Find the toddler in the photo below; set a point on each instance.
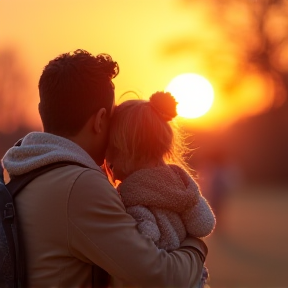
(144, 153)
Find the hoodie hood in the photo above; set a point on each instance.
(168, 192)
(166, 187)
(39, 149)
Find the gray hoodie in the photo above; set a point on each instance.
(39, 149)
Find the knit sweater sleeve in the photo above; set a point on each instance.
(199, 220)
(147, 224)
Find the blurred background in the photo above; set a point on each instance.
(239, 147)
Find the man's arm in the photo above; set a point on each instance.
(101, 232)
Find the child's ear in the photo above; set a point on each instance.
(99, 119)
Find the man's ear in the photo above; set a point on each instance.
(98, 120)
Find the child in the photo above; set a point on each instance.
(155, 187)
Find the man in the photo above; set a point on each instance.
(71, 217)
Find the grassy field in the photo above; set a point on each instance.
(249, 247)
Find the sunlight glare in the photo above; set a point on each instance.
(194, 94)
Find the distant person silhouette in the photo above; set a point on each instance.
(219, 178)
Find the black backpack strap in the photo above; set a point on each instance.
(8, 266)
(1, 173)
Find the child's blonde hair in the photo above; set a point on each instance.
(142, 133)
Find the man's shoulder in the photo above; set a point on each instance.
(82, 174)
(80, 168)
(91, 188)
(69, 176)
(87, 179)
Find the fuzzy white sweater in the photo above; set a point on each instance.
(167, 204)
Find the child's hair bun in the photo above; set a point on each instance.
(164, 104)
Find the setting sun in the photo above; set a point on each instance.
(194, 94)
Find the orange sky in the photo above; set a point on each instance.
(133, 32)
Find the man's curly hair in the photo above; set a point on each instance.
(72, 87)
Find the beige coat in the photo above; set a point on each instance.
(72, 217)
